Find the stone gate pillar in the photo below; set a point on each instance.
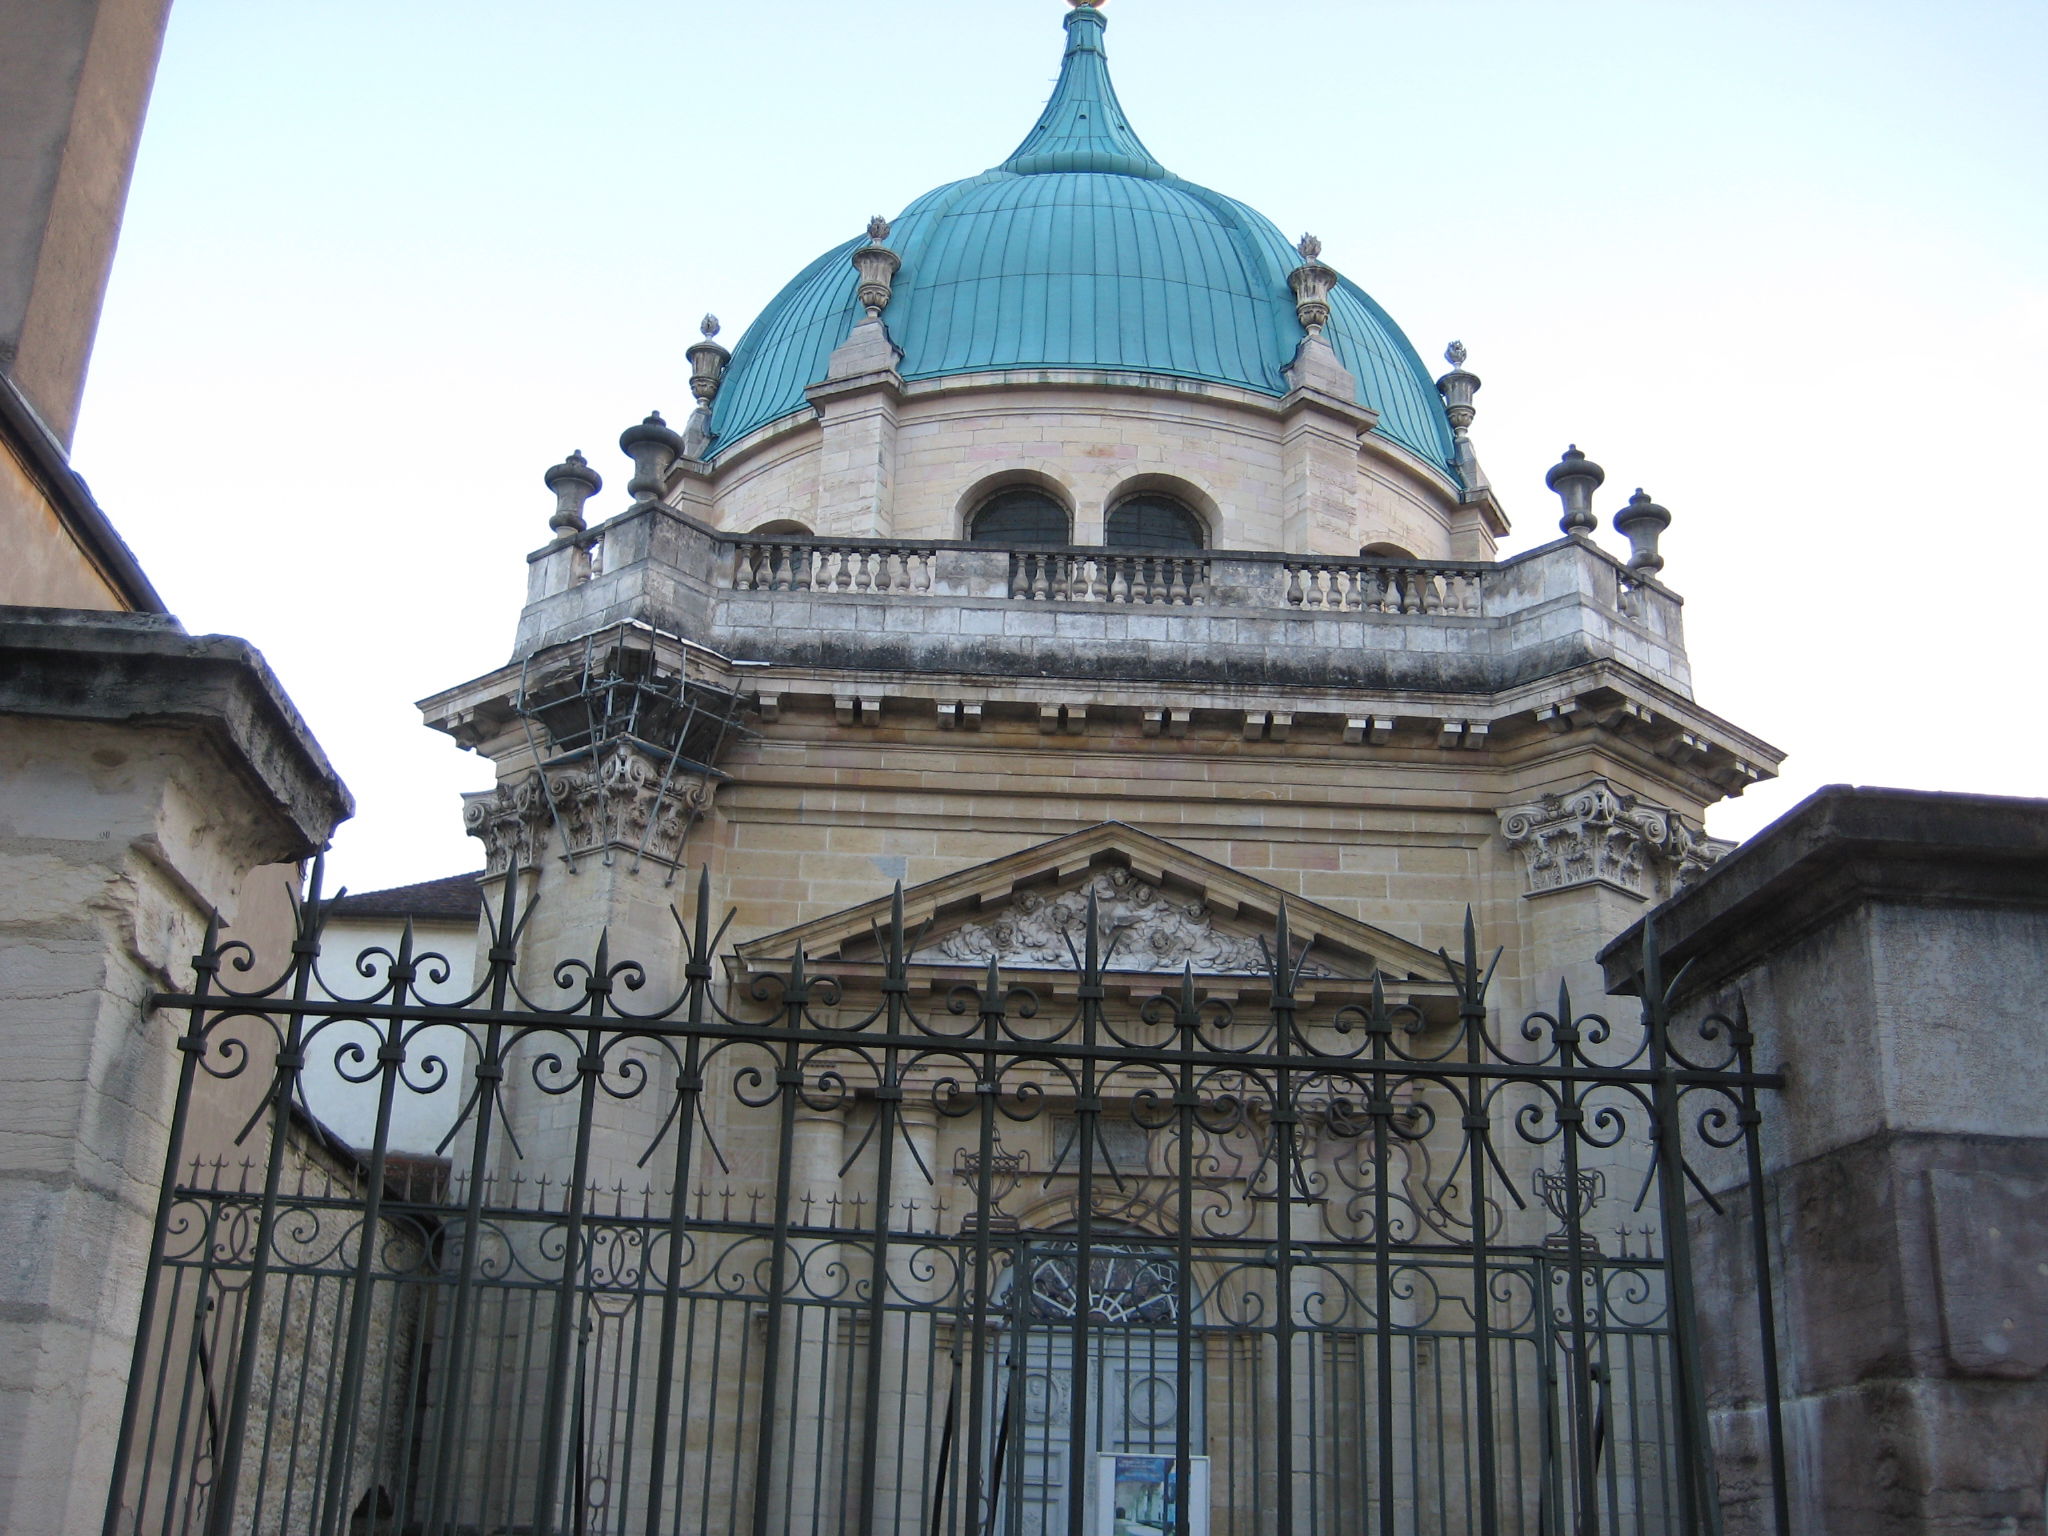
(1892, 949)
(145, 777)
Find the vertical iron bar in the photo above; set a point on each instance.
(1579, 1387)
(1382, 1107)
(490, 1071)
(390, 1059)
(788, 1083)
(1760, 1239)
(554, 1445)
(305, 951)
(888, 1094)
(191, 1045)
(1283, 1121)
(977, 1365)
(1087, 1121)
(1187, 1021)
(697, 977)
(1478, 1129)
(1701, 1510)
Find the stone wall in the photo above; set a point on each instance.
(1892, 949)
(1229, 453)
(146, 777)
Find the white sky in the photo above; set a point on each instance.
(1784, 265)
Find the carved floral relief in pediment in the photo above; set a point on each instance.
(1142, 928)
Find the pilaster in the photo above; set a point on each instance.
(857, 457)
(1319, 435)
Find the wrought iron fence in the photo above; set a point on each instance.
(904, 1252)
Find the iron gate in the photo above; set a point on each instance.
(789, 1253)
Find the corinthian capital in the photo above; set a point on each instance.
(1598, 835)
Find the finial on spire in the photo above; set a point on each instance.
(1088, 5)
(1083, 128)
(1454, 354)
(709, 326)
(878, 229)
(1575, 478)
(1310, 247)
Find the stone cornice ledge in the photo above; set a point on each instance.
(1842, 846)
(143, 669)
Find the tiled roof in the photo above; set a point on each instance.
(451, 897)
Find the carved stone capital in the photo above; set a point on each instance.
(618, 804)
(1597, 835)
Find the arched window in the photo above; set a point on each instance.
(1149, 520)
(1019, 514)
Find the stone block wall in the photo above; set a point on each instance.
(1891, 948)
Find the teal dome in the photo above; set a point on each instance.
(1080, 251)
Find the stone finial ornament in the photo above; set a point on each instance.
(574, 482)
(707, 373)
(1312, 282)
(1458, 387)
(654, 450)
(1575, 478)
(877, 265)
(1087, 5)
(1642, 522)
(707, 363)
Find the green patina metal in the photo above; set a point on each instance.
(1081, 251)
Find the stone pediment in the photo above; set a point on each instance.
(1159, 908)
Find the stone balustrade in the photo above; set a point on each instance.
(1373, 586)
(812, 565)
(1137, 577)
(1247, 616)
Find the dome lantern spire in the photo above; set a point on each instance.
(1083, 128)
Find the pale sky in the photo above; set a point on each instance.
(1783, 265)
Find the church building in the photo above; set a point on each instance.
(1033, 896)
(1072, 559)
